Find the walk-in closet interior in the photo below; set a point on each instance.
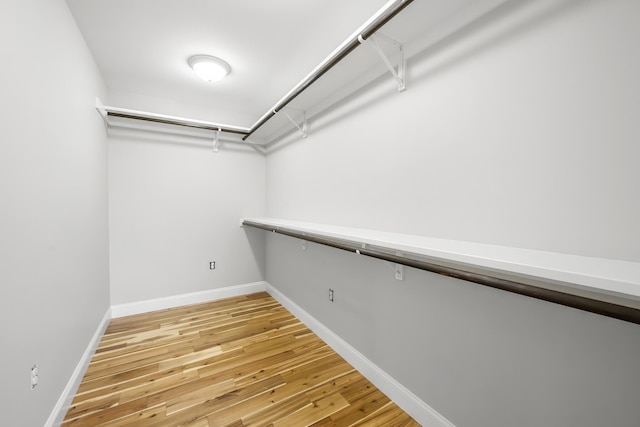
(435, 199)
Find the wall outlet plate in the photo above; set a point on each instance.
(34, 376)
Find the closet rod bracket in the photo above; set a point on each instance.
(400, 72)
(303, 127)
(216, 141)
(100, 108)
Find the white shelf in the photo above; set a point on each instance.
(604, 277)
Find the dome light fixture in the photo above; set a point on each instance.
(209, 68)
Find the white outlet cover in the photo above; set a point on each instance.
(34, 376)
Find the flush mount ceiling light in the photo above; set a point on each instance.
(209, 68)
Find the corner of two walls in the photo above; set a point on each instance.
(519, 131)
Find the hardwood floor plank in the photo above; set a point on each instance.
(86, 407)
(219, 403)
(280, 363)
(314, 412)
(112, 381)
(202, 422)
(275, 411)
(238, 362)
(138, 418)
(199, 395)
(351, 379)
(285, 345)
(295, 386)
(109, 414)
(389, 416)
(157, 383)
(366, 405)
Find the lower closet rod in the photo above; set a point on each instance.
(603, 308)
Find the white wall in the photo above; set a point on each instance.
(521, 131)
(174, 206)
(53, 219)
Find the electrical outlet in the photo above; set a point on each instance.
(212, 265)
(331, 295)
(34, 376)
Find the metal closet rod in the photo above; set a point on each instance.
(177, 122)
(603, 308)
(391, 9)
(107, 111)
(377, 21)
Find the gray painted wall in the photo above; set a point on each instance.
(521, 131)
(478, 356)
(53, 220)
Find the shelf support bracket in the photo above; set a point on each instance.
(101, 110)
(303, 127)
(216, 141)
(398, 74)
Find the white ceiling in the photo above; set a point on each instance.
(142, 46)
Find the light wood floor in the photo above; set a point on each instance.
(243, 361)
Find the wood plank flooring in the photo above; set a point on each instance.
(238, 362)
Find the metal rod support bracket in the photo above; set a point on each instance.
(101, 109)
(216, 141)
(303, 127)
(398, 74)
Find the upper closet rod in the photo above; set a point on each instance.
(177, 122)
(107, 111)
(376, 22)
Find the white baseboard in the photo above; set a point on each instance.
(121, 310)
(62, 405)
(405, 399)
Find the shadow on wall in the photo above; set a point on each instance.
(465, 44)
(164, 135)
(489, 31)
(257, 243)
